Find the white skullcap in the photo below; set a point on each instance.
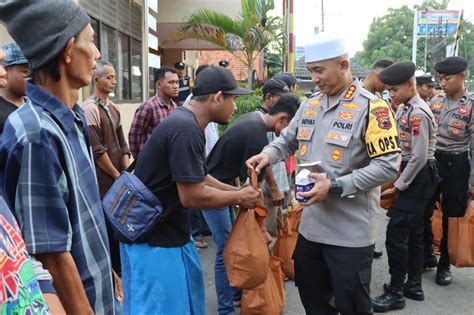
(325, 46)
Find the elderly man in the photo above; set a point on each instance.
(354, 136)
(48, 173)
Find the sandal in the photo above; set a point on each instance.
(200, 244)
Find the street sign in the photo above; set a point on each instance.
(438, 22)
(433, 29)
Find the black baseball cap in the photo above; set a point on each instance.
(275, 86)
(179, 65)
(217, 79)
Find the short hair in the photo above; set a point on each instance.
(382, 64)
(200, 68)
(287, 103)
(99, 71)
(161, 72)
(286, 77)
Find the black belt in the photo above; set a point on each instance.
(450, 152)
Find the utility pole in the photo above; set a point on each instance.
(322, 15)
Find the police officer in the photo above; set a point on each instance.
(415, 188)
(454, 151)
(354, 136)
(425, 86)
(184, 84)
(224, 63)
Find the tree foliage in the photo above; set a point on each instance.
(250, 32)
(391, 36)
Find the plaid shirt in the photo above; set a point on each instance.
(49, 180)
(149, 115)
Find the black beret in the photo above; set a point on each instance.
(425, 79)
(451, 65)
(397, 73)
(179, 65)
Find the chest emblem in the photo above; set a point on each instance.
(437, 106)
(338, 137)
(315, 103)
(304, 133)
(304, 150)
(383, 117)
(350, 105)
(310, 113)
(346, 115)
(463, 110)
(336, 154)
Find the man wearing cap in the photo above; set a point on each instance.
(354, 136)
(424, 86)
(13, 95)
(415, 187)
(163, 275)
(276, 186)
(454, 152)
(153, 111)
(48, 176)
(184, 84)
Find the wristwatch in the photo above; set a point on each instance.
(335, 190)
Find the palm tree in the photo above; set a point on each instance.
(248, 33)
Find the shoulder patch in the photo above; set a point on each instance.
(381, 136)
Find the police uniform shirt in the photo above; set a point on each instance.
(417, 133)
(455, 125)
(355, 137)
(184, 88)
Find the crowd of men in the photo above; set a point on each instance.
(59, 159)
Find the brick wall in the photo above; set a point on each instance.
(212, 57)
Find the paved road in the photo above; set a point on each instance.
(456, 299)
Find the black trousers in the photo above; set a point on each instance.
(326, 274)
(404, 241)
(454, 172)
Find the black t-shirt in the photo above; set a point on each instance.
(6, 108)
(242, 140)
(173, 153)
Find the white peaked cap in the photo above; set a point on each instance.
(325, 45)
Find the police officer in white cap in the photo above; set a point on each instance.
(354, 136)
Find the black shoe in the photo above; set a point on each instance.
(390, 300)
(443, 277)
(413, 290)
(430, 260)
(377, 253)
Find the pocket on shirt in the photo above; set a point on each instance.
(337, 149)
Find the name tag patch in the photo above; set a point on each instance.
(342, 125)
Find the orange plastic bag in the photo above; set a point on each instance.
(269, 297)
(246, 254)
(461, 239)
(286, 241)
(437, 226)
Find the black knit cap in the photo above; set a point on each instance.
(451, 65)
(425, 79)
(397, 73)
(42, 28)
(217, 79)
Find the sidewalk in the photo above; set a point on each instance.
(456, 299)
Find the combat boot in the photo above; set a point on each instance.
(412, 290)
(392, 299)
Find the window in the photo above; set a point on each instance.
(118, 32)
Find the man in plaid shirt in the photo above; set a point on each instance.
(151, 113)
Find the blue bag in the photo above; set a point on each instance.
(132, 209)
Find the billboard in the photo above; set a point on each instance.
(443, 22)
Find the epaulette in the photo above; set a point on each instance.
(367, 94)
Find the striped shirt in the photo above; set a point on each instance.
(48, 179)
(148, 115)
